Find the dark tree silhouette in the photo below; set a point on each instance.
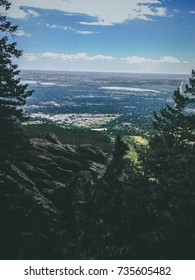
(13, 94)
(169, 162)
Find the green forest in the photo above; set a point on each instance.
(79, 194)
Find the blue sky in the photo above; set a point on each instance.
(106, 35)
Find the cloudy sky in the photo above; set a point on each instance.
(106, 35)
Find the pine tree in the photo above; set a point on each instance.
(105, 210)
(169, 163)
(13, 94)
(174, 129)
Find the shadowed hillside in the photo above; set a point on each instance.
(37, 209)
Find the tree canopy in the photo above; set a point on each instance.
(13, 93)
(169, 164)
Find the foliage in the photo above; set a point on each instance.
(170, 161)
(12, 93)
(73, 136)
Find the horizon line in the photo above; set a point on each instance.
(106, 72)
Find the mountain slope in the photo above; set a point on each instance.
(37, 207)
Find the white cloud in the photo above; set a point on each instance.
(84, 62)
(63, 27)
(107, 12)
(74, 57)
(19, 10)
(83, 32)
(97, 23)
(32, 13)
(168, 59)
(22, 33)
(52, 25)
(136, 60)
(56, 26)
(29, 57)
(99, 57)
(67, 28)
(142, 60)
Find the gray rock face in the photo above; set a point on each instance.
(36, 197)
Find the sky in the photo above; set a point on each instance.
(139, 36)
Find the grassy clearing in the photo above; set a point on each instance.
(132, 142)
(140, 140)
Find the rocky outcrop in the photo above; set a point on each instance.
(37, 209)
